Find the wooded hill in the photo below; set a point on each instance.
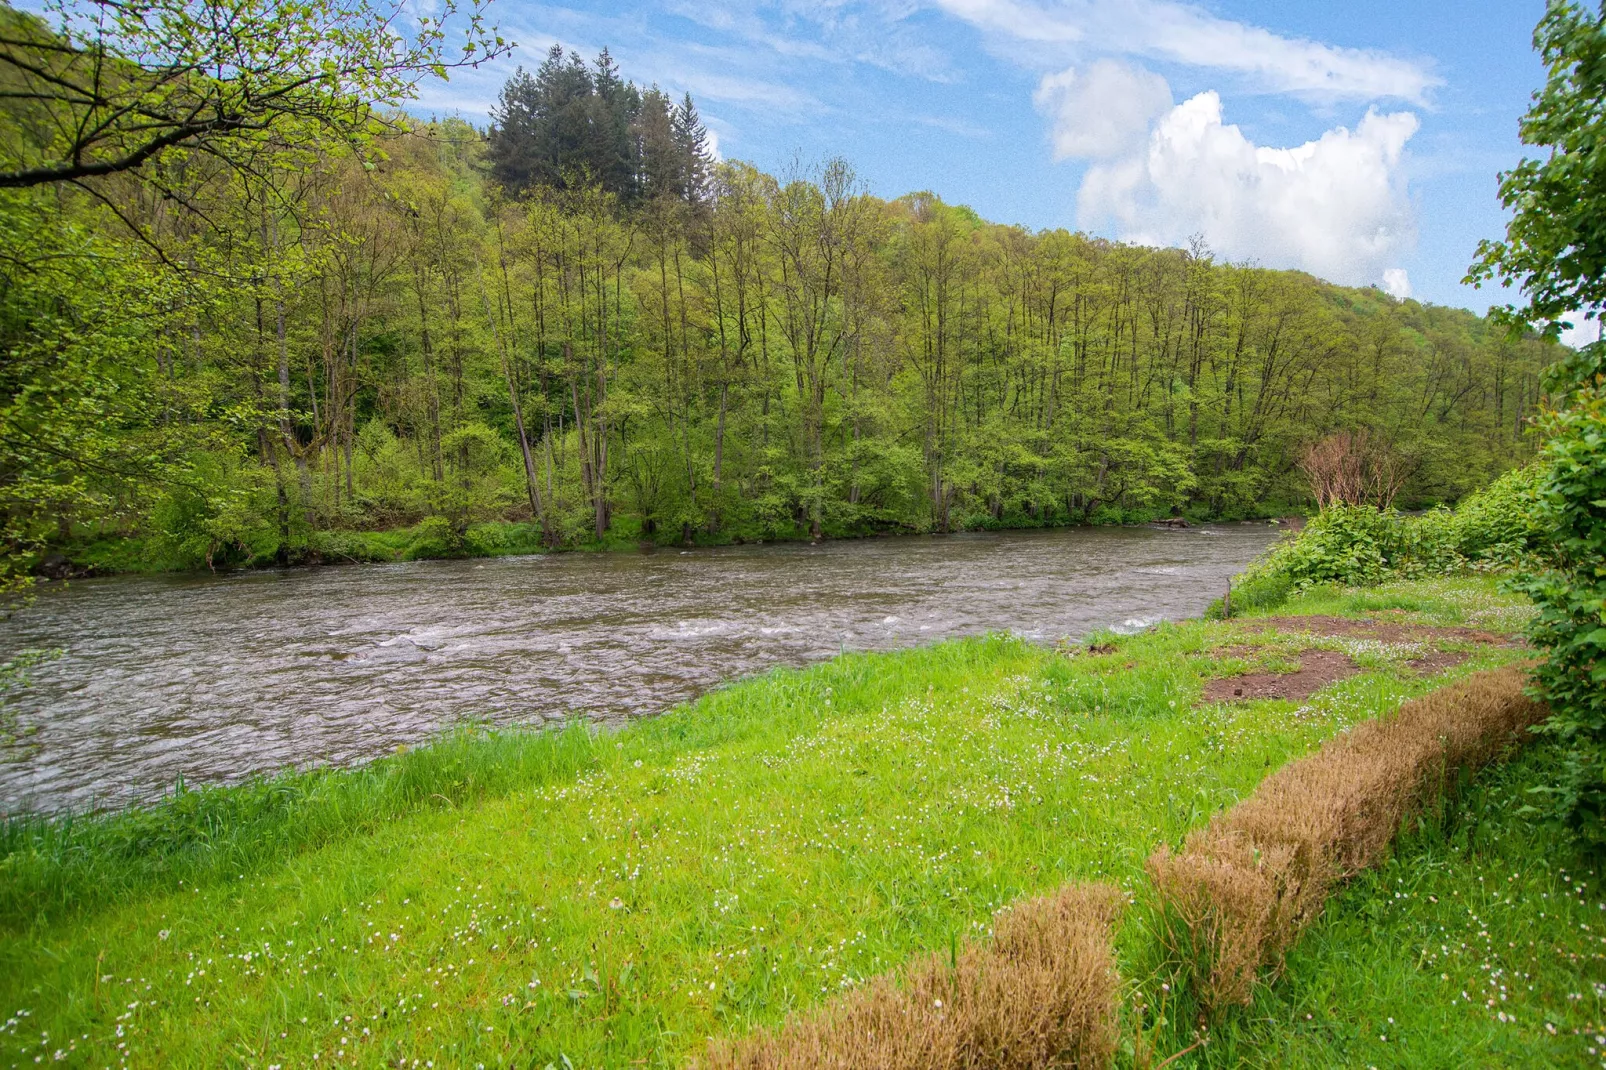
(584, 321)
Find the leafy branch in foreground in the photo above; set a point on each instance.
(113, 86)
(1555, 244)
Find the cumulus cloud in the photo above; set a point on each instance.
(1397, 283)
(1335, 206)
(1102, 111)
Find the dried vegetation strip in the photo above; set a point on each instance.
(1238, 894)
(1042, 992)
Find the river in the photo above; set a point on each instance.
(213, 678)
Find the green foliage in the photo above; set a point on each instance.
(569, 124)
(1571, 596)
(1555, 245)
(1502, 524)
(351, 546)
(1348, 545)
(435, 536)
(1501, 527)
(220, 515)
(106, 91)
(677, 396)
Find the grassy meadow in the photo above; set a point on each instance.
(619, 899)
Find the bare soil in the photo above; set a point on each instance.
(1438, 661)
(1317, 669)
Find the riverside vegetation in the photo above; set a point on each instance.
(607, 898)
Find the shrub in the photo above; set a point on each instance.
(222, 515)
(1502, 524)
(1347, 544)
(1042, 992)
(1571, 595)
(486, 540)
(435, 536)
(347, 546)
(1238, 894)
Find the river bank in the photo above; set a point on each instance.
(212, 678)
(622, 897)
(433, 539)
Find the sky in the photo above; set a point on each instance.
(1359, 141)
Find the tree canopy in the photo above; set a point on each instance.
(570, 125)
(585, 324)
(112, 87)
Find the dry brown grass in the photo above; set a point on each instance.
(1238, 894)
(1042, 992)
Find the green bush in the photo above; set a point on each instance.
(1349, 545)
(435, 536)
(1426, 545)
(487, 540)
(1571, 594)
(332, 546)
(1501, 526)
(222, 515)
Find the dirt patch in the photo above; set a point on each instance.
(1317, 669)
(1388, 631)
(1438, 661)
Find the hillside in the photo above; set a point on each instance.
(376, 337)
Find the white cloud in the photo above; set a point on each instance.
(846, 31)
(1335, 206)
(1103, 110)
(1186, 33)
(1397, 283)
(1583, 331)
(1025, 21)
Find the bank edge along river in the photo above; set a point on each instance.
(215, 678)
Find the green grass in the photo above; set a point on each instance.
(617, 900)
(50, 868)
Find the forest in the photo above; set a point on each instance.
(579, 326)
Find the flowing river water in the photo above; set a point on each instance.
(214, 678)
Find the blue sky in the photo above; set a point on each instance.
(1356, 140)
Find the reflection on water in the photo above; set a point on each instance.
(212, 678)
